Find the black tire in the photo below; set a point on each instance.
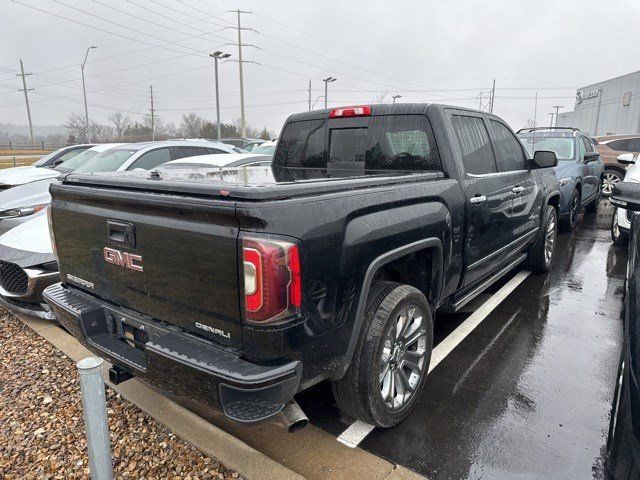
(620, 238)
(570, 220)
(358, 392)
(592, 206)
(538, 260)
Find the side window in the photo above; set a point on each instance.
(473, 141)
(634, 145)
(151, 159)
(582, 149)
(67, 155)
(509, 151)
(587, 144)
(620, 145)
(215, 150)
(182, 152)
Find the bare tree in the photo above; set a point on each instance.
(76, 126)
(381, 98)
(191, 125)
(121, 123)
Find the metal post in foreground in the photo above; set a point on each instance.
(94, 405)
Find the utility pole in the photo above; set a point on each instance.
(551, 124)
(309, 95)
(493, 96)
(153, 116)
(26, 99)
(84, 92)
(395, 97)
(480, 100)
(217, 55)
(326, 82)
(243, 122)
(557, 107)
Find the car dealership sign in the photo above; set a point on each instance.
(580, 96)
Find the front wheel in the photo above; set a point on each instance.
(392, 356)
(541, 256)
(619, 237)
(574, 209)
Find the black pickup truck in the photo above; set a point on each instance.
(240, 294)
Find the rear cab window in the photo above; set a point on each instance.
(350, 147)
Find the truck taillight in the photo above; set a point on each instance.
(272, 281)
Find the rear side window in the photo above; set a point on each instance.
(389, 144)
(634, 145)
(183, 152)
(473, 141)
(509, 151)
(151, 159)
(620, 145)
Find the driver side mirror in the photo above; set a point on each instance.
(626, 158)
(545, 159)
(591, 157)
(626, 195)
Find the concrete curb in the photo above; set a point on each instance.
(208, 438)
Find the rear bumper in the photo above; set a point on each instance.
(175, 361)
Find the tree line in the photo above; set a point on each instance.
(122, 128)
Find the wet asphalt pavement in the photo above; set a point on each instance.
(528, 393)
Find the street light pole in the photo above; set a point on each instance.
(84, 92)
(396, 97)
(326, 83)
(557, 107)
(216, 55)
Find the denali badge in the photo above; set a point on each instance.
(123, 259)
(217, 331)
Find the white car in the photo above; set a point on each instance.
(621, 221)
(43, 168)
(21, 203)
(266, 148)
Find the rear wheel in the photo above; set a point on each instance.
(391, 360)
(541, 256)
(610, 178)
(619, 237)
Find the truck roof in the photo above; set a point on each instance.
(383, 109)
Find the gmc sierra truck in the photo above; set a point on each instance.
(240, 294)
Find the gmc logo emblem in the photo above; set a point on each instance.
(123, 259)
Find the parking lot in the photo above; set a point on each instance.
(526, 394)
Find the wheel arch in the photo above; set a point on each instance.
(432, 248)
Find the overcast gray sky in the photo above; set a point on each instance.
(442, 51)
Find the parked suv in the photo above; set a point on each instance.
(238, 295)
(610, 147)
(579, 171)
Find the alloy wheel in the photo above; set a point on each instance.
(402, 361)
(550, 240)
(610, 179)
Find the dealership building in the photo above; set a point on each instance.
(609, 107)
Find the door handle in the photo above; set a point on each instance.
(478, 199)
(517, 190)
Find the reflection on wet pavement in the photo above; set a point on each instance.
(528, 394)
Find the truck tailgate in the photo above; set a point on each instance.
(171, 257)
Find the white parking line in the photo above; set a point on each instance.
(358, 430)
(446, 346)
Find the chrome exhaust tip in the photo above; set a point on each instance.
(292, 417)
